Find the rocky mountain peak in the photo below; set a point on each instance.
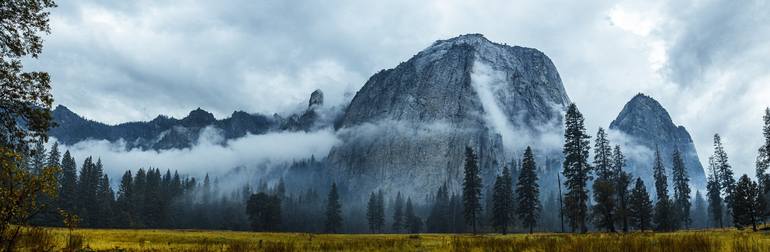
(471, 39)
(239, 114)
(316, 99)
(62, 108)
(198, 118)
(646, 123)
(65, 115)
(645, 117)
(644, 105)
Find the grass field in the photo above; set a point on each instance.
(187, 240)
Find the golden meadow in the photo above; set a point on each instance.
(56, 239)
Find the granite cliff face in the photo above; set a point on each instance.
(407, 128)
(644, 123)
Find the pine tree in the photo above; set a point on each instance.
(49, 214)
(439, 220)
(640, 207)
(714, 194)
(488, 210)
(207, 190)
(333, 211)
(502, 202)
(471, 189)
(68, 184)
(528, 192)
(166, 195)
(561, 202)
(725, 173)
(124, 205)
(745, 204)
(138, 192)
(698, 213)
(54, 156)
(508, 195)
(280, 189)
(373, 213)
(457, 219)
(380, 214)
(87, 183)
(398, 214)
(413, 223)
(664, 217)
(152, 200)
(105, 197)
(623, 181)
(576, 169)
(38, 158)
(604, 185)
(681, 183)
(264, 211)
(176, 185)
(762, 165)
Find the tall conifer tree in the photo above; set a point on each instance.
(604, 185)
(374, 212)
(333, 211)
(54, 156)
(413, 222)
(37, 157)
(439, 220)
(622, 182)
(681, 182)
(502, 198)
(640, 210)
(576, 169)
(68, 184)
(472, 189)
(699, 212)
(528, 192)
(398, 213)
(105, 201)
(86, 192)
(762, 165)
(725, 173)
(124, 207)
(663, 217)
(745, 205)
(714, 194)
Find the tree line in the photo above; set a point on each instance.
(151, 198)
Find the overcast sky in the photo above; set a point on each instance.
(707, 62)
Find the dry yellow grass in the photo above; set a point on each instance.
(189, 240)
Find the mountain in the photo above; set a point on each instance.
(169, 133)
(644, 123)
(307, 119)
(407, 128)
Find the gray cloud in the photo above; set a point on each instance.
(256, 153)
(116, 61)
(717, 57)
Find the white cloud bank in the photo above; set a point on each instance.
(207, 156)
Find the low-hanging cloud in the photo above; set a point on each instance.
(488, 84)
(211, 155)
